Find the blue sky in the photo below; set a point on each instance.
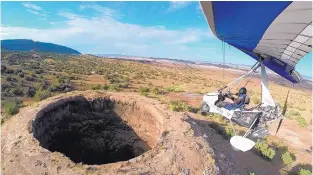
(159, 29)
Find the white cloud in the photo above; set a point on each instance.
(35, 9)
(176, 5)
(31, 6)
(33, 12)
(105, 34)
(103, 10)
(36, 13)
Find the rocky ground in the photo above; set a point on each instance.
(175, 148)
(170, 142)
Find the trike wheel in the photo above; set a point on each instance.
(205, 108)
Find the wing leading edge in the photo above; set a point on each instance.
(280, 32)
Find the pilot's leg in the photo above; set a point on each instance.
(222, 104)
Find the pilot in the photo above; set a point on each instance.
(239, 101)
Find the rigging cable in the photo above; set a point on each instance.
(223, 48)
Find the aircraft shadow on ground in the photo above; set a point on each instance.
(275, 164)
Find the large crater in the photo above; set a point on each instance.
(96, 131)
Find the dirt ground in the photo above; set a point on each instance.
(185, 144)
(176, 150)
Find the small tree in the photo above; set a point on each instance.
(144, 91)
(179, 106)
(304, 172)
(265, 150)
(302, 122)
(42, 94)
(97, 87)
(11, 108)
(287, 158)
(256, 100)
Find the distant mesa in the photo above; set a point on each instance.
(30, 45)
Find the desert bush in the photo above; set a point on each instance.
(16, 91)
(11, 108)
(27, 78)
(9, 78)
(294, 113)
(198, 92)
(255, 100)
(287, 158)
(123, 85)
(96, 87)
(42, 94)
(174, 88)
(63, 79)
(39, 71)
(144, 91)
(304, 172)
(229, 132)
(302, 122)
(179, 106)
(157, 91)
(21, 74)
(3, 68)
(265, 150)
(111, 88)
(29, 91)
(300, 109)
(9, 71)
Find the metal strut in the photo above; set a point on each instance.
(236, 81)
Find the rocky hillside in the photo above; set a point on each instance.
(30, 45)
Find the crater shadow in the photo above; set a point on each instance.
(90, 132)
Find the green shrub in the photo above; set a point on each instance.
(265, 150)
(16, 91)
(286, 158)
(21, 74)
(144, 91)
(112, 88)
(304, 172)
(174, 88)
(157, 91)
(11, 108)
(179, 106)
(292, 113)
(123, 85)
(29, 91)
(300, 109)
(255, 100)
(42, 94)
(96, 87)
(302, 122)
(229, 132)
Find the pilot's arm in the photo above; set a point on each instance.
(235, 99)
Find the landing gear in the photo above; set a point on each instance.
(205, 108)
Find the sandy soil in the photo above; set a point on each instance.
(177, 149)
(185, 145)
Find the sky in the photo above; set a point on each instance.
(168, 29)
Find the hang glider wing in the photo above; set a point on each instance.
(280, 32)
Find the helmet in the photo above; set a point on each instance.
(243, 90)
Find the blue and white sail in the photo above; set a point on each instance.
(279, 33)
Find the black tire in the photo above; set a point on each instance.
(205, 108)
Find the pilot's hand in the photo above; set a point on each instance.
(229, 93)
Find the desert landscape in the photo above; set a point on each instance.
(176, 138)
